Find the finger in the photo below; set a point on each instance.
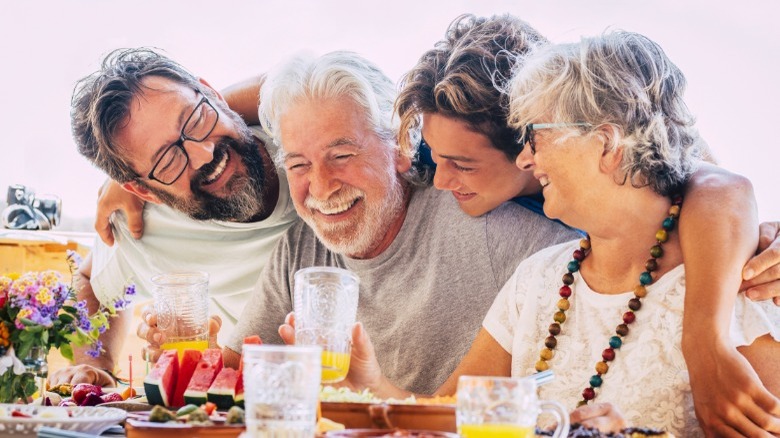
(765, 291)
(85, 375)
(60, 377)
(217, 319)
(104, 230)
(289, 319)
(765, 413)
(135, 218)
(214, 326)
(149, 315)
(766, 259)
(150, 353)
(287, 333)
(592, 410)
(362, 348)
(768, 232)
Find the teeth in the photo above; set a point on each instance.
(337, 209)
(218, 170)
(544, 181)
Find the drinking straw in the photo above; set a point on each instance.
(130, 380)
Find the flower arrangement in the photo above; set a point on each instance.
(38, 311)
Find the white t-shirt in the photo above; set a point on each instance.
(232, 253)
(648, 380)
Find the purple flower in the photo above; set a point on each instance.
(130, 289)
(95, 349)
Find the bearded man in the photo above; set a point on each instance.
(214, 200)
(428, 273)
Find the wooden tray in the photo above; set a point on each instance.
(391, 416)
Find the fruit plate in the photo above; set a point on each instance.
(137, 426)
(377, 433)
(86, 419)
(391, 416)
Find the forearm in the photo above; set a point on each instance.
(718, 234)
(244, 98)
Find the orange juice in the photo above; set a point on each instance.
(180, 346)
(498, 430)
(334, 366)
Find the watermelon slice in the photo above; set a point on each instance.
(159, 384)
(189, 360)
(223, 390)
(209, 366)
(239, 398)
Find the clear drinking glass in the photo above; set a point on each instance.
(499, 407)
(281, 388)
(325, 304)
(182, 307)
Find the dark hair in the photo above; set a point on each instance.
(101, 103)
(463, 75)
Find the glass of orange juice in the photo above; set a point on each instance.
(503, 407)
(182, 307)
(325, 302)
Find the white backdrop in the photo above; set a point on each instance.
(728, 51)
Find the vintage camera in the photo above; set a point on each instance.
(25, 211)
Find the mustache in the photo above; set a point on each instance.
(344, 197)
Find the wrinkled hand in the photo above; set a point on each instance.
(112, 197)
(602, 416)
(148, 331)
(364, 371)
(728, 396)
(81, 374)
(761, 274)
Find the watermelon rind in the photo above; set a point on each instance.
(223, 389)
(206, 371)
(159, 384)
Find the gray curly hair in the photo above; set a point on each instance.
(623, 80)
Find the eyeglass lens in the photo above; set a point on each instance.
(197, 128)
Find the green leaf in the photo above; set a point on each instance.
(70, 309)
(67, 351)
(65, 318)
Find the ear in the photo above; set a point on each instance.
(141, 191)
(612, 153)
(207, 85)
(402, 162)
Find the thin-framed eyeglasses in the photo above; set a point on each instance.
(174, 159)
(529, 132)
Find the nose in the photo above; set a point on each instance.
(443, 179)
(525, 160)
(200, 153)
(322, 183)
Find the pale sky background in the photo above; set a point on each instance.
(729, 51)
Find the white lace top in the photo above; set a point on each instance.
(648, 380)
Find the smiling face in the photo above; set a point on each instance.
(569, 171)
(479, 176)
(224, 178)
(344, 179)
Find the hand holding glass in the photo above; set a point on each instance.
(325, 304)
(499, 407)
(182, 308)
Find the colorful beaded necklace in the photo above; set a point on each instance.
(634, 304)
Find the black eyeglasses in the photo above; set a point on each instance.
(197, 128)
(529, 134)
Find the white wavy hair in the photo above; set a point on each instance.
(623, 80)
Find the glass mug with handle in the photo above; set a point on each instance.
(182, 307)
(325, 302)
(499, 407)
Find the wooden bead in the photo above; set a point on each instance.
(550, 342)
(546, 354)
(602, 367)
(608, 355)
(622, 330)
(656, 251)
(674, 211)
(559, 317)
(568, 278)
(579, 255)
(640, 291)
(585, 244)
(564, 291)
(542, 366)
(554, 329)
(564, 304)
(651, 265)
(634, 304)
(629, 317)
(662, 236)
(588, 394)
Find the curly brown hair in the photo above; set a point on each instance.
(462, 77)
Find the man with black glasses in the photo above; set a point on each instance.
(214, 200)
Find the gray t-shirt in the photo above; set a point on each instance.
(423, 299)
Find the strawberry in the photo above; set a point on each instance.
(91, 399)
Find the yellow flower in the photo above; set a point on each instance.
(24, 313)
(44, 296)
(13, 275)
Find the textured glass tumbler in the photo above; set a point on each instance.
(325, 304)
(281, 389)
(501, 407)
(182, 306)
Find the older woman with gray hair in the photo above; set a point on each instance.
(610, 139)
